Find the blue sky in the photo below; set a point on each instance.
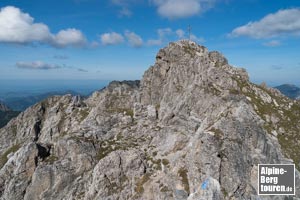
(118, 39)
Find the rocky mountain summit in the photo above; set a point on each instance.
(193, 128)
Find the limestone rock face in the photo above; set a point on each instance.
(193, 128)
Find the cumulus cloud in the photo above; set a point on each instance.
(197, 39)
(69, 37)
(111, 38)
(125, 12)
(174, 9)
(114, 38)
(133, 39)
(167, 34)
(162, 33)
(283, 22)
(154, 42)
(180, 33)
(37, 65)
(124, 6)
(272, 43)
(19, 27)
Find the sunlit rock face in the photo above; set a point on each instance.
(193, 128)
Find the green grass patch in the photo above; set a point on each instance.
(83, 114)
(289, 118)
(3, 158)
(139, 186)
(118, 143)
(51, 159)
(182, 172)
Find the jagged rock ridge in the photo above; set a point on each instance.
(193, 128)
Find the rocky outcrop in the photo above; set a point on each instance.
(193, 128)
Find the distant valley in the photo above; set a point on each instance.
(6, 114)
(20, 103)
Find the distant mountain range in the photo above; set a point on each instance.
(3, 107)
(6, 114)
(20, 103)
(13, 105)
(289, 90)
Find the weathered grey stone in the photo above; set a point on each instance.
(193, 128)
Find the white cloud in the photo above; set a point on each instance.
(40, 65)
(125, 12)
(37, 65)
(69, 37)
(153, 42)
(120, 2)
(272, 43)
(197, 39)
(133, 39)
(124, 6)
(180, 33)
(94, 44)
(174, 9)
(112, 38)
(283, 22)
(19, 27)
(167, 34)
(164, 32)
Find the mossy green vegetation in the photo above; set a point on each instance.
(182, 172)
(166, 162)
(83, 114)
(139, 186)
(117, 143)
(189, 50)
(14, 129)
(51, 159)
(212, 89)
(225, 193)
(153, 163)
(218, 133)
(286, 111)
(12, 149)
(117, 186)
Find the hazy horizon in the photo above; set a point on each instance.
(36, 87)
